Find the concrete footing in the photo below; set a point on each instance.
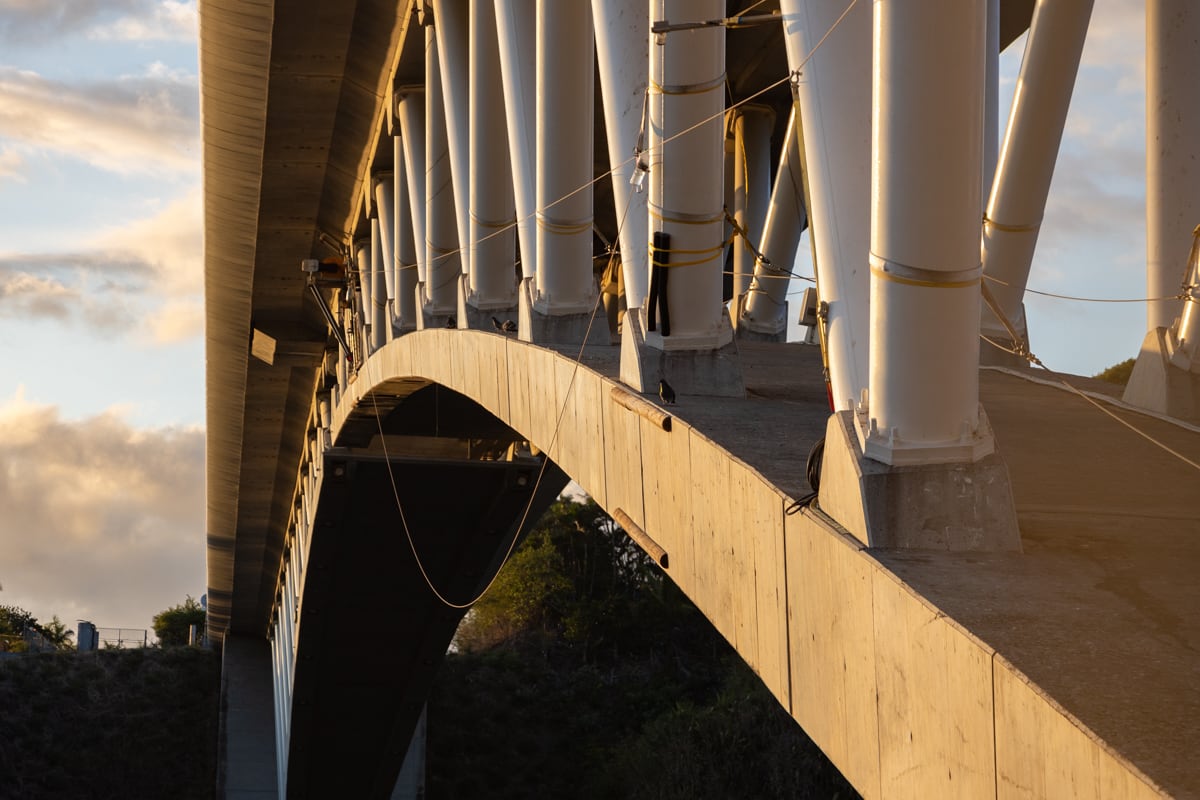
(246, 750)
(714, 373)
(538, 327)
(966, 506)
(477, 316)
(1160, 384)
(748, 330)
(433, 317)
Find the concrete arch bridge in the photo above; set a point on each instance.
(979, 602)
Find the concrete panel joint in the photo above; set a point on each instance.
(964, 506)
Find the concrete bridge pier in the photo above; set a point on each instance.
(1166, 377)
(490, 289)
(763, 315)
(560, 305)
(685, 336)
(914, 465)
(443, 258)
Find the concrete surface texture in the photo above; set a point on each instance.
(246, 761)
(1066, 670)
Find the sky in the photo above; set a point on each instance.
(101, 299)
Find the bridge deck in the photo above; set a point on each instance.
(1099, 611)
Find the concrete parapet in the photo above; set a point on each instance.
(712, 372)
(1159, 383)
(965, 506)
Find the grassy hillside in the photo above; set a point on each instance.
(110, 723)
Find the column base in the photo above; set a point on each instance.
(477, 315)
(754, 330)
(431, 316)
(712, 372)
(1163, 380)
(540, 325)
(966, 506)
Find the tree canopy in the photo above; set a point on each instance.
(171, 625)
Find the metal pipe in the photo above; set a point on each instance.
(1026, 165)
(518, 73)
(442, 256)
(752, 128)
(686, 160)
(410, 108)
(451, 27)
(622, 53)
(565, 284)
(834, 92)
(1187, 335)
(363, 253)
(493, 238)
(383, 185)
(406, 252)
(380, 325)
(652, 548)
(926, 148)
(786, 220)
(1172, 131)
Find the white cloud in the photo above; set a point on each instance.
(168, 21)
(32, 22)
(11, 164)
(101, 520)
(144, 278)
(130, 125)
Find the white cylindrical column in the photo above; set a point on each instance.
(442, 256)
(366, 307)
(686, 158)
(405, 255)
(752, 128)
(1187, 335)
(565, 284)
(785, 222)
(1026, 166)
(451, 25)
(410, 108)
(384, 187)
(493, 281)
(991, 98)
(379, 309)
(834, 92)
(518, 71)
(927, 148)
(622, 53)
(1172, 134)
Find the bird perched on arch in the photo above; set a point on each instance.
(451, 322)
(665, 392)
(509, 326)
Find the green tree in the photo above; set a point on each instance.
(57, 633)
(1118, 373)
(171, 625)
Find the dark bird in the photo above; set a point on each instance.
(451, 322)
(666, 393)
(496, 324)
(509, 326)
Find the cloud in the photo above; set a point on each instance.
(168, 21)
(145, 277)
(143, 124)
(101, 521)
(32, 22)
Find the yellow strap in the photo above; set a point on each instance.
(1011, 228)
(888, 276)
